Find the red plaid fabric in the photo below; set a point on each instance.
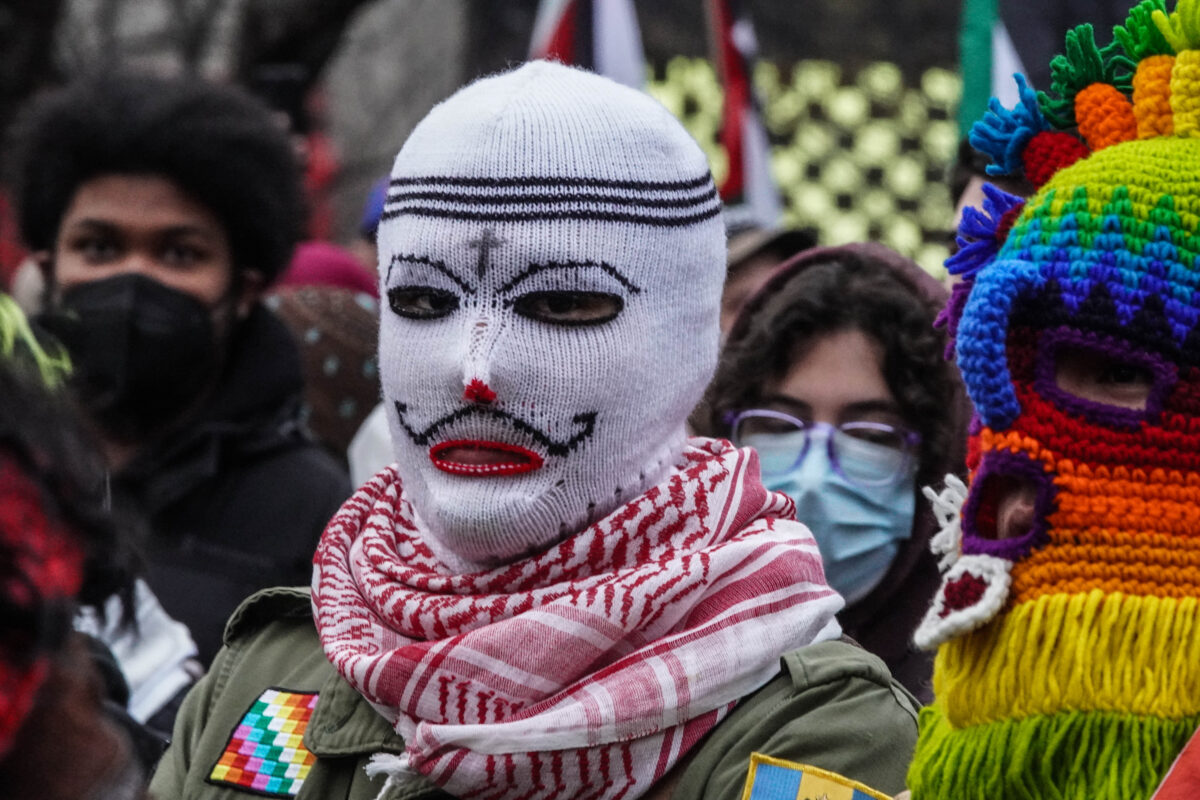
(597, 663)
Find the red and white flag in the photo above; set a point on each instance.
(748, 191)
(600, 35)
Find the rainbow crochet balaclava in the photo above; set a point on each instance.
(1068, 661)
(551, 254)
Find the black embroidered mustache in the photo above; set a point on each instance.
(554, 448)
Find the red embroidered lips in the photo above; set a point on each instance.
(483, 458)
(478, 457)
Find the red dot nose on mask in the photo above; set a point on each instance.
(478, 392)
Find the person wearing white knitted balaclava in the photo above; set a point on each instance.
(557, 295)
(552, 592)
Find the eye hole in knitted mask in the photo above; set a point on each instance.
(1103, 378)
(421, 302)
(569, 308)
(1100, 377)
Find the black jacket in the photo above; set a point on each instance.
(237, 498)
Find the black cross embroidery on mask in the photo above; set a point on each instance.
(486, 241)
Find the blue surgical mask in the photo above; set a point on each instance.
(857, 529)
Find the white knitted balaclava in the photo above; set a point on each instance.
(551, 254)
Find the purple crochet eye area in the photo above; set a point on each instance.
(1003, 478)
(1056, 345)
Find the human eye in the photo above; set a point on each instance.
(421, 302)
(878, 433)
(569, 308)
(758, 424)
(180, 254)
(1121, 374)
(95, 248)
(1101, 377)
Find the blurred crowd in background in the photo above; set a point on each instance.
(190, 207)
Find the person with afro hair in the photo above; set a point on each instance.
(159, 209)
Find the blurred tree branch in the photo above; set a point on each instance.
(194, 22)
(299, 32)
(27, 57)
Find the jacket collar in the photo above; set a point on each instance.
(345, 724)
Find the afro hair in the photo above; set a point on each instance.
(217, 143)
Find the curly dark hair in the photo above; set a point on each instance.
(838, 289)
(218, 144)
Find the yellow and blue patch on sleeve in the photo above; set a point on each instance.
(265, 754)
(776, 779)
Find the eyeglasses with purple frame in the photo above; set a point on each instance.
(875, 440)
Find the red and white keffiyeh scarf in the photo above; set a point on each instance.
(591, 668)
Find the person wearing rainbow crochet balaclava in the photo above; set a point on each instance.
(1067, 623)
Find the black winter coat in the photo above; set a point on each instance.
(237, 499)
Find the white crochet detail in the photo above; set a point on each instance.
(947, 510)
(945, 619)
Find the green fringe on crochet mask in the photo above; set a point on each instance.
(1095, 755)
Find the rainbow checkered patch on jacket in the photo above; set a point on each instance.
(266, 752)
(776, 779)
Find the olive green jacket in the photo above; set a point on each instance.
(833, 705)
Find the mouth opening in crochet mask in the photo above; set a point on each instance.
(477, 458)
(1005, 513)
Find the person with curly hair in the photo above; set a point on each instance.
(835, 374)
(159, 209)
(1064, 625)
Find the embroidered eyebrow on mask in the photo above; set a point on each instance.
(440, 266)
(534, 269)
